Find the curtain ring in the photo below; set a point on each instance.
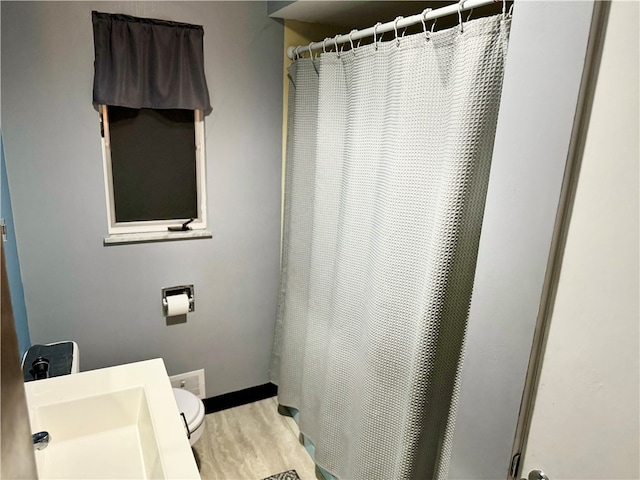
(310, 51)
(324, 44)
(351, 39)
(375, 34)
(395, 28)
(504, 9)
(424, 22)
(296, 53)
(335, 42)
(511, 10)
(433, 25)
(460, 6)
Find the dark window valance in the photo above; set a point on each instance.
(147, 63)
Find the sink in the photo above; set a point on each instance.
(122, 426)
(117, 422)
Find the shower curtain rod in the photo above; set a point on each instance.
(400, 22)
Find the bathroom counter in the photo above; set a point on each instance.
(116, 422)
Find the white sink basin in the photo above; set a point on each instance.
(117, 422)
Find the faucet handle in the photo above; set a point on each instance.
(40, 440)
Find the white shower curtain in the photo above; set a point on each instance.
(388, 156)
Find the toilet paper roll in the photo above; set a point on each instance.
(177, 304)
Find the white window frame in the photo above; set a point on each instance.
(150, 226)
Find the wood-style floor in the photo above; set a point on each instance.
(251, 442)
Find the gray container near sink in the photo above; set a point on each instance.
(62, 359)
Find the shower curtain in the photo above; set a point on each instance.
(388, 156)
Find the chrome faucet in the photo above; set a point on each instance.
(40, 440)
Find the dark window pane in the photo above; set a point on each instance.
(153, 161)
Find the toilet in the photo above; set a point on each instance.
(192, 410)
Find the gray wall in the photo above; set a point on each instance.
(108, 298)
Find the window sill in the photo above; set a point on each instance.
(125, 238)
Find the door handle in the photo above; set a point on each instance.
(536, 475)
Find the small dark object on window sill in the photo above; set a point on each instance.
(184, 228)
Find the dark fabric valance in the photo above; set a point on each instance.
(147, 63)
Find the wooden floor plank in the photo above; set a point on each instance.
(251, 442)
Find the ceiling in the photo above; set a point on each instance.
(347, 13)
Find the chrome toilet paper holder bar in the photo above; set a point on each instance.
(180, 290)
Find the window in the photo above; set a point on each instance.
(150, 88)
(154, 168)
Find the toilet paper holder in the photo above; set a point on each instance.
(180, 290)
